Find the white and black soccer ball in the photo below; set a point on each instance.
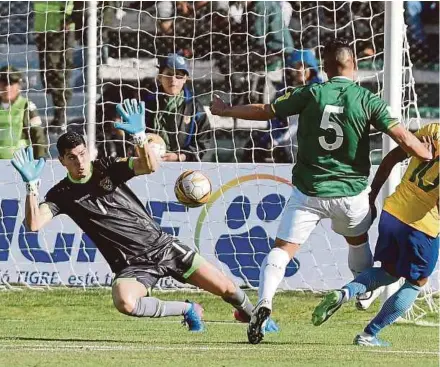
(193, 188)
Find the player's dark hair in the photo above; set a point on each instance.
(336, 52)
(69, 140)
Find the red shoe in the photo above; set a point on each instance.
(240, 316)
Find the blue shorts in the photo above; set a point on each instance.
(413, 253)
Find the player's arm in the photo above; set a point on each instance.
(291, 103)
(394, 157)
(23, 161)
(382, 119)
(133, 117)
(425, 136)
(37, 216)
(146, 161)
(409, 143)
(259, 112)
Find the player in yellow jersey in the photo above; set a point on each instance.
(408, 243)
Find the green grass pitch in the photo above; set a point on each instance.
(64, 327)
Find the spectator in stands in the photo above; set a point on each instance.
(304, 23)
(301, 69)
(265, 24)
(278, 143)
(54, 39)
(20, 124)
(107, 11)
(421, 53)
(269, 28)
(167, 11)
(172, 112)
(259, 41)
(413, 11)
(178, 22)
(176, 115)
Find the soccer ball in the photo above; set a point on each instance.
(157, 145)
(193, 188)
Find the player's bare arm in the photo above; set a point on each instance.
(261, 112)
(133, 117)
(30, 170)
(397, 155)
(146, 161)
(37, 216)
(394, 157)
(430, 143)
(409, 143)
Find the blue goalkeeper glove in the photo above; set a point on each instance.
(30, 171)
(133, 116)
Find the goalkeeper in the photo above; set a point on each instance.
(331, 174)
(95, 195)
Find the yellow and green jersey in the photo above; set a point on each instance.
(333, 157)
(415, 201)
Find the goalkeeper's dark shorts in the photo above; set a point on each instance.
(176, 260)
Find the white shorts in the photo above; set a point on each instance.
(350, 216)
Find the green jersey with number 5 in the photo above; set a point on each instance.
(333, 135)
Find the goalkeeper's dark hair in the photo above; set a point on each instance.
(336, 52)
(69, 140)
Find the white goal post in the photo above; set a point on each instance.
(393, 78)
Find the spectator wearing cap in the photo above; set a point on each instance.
(175, 114)
(301, 69)
(20, 124)
(278, 144)
(172, 112)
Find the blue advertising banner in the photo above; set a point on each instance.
(234, 231)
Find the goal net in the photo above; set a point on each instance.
(245, 53)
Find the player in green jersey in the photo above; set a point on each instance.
(332, 168)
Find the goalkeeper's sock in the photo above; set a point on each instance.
(360, 258)
(272, 273)
(154, 307)
(393, 308)
(369, 280)
(240, 301)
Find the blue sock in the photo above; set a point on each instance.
(393, 308)
(369, 280)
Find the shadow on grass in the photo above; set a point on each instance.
(193, 342)
(265, 342)
(26, 338)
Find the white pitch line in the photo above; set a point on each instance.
(150, 348)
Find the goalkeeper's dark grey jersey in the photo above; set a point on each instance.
(107, 210)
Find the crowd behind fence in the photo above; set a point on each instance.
(246, 52)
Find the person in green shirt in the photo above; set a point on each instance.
(53, 26)
(330, 176)
(20, 124)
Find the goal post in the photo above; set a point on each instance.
(393, 77)
(92, 86)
